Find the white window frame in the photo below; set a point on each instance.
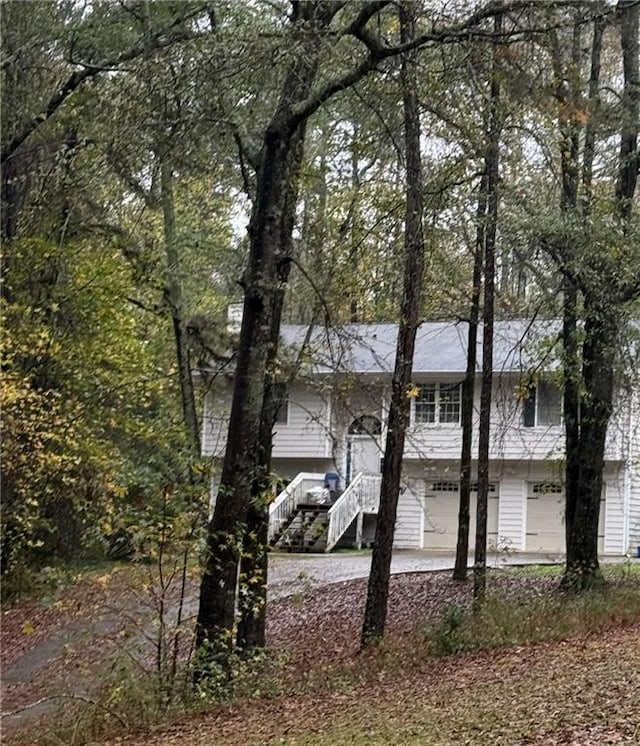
(534, 393)
(436, 386)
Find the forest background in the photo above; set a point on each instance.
(139, 138)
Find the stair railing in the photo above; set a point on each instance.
(370, 493)
(361, 496)
(287, 501)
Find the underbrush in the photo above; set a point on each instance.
(525, 619)
(131, 696)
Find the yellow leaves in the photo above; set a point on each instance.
(571, 113)
(412, 391)
(523, 390)
(28, 628)
(103, 581)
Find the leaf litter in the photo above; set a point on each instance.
(578, 691)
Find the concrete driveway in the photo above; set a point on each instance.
(289, 573)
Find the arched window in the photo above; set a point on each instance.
(367, 424)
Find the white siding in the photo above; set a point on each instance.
(410, 519)
(288, 468)
(509, 438)
(215, 423)
(634, 514)
(306, 433)
(433, 442)
(613, 520)
(632, 478)
(520, 455)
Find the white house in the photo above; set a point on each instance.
(333, 420)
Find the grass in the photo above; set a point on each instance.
(582, 691)
(505, 621)
(610, 571)
(508, 620)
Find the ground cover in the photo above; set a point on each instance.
(551, 668)
(581, 692)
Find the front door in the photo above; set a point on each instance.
(365, 455)
(363, 446)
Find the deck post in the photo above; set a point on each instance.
(359, 522)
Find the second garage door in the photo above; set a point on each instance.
(545, 517)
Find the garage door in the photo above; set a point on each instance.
(442, 503)
(545, 519)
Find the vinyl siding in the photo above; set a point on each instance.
(215, 423)
(410, 518)
(510, 440)
(305, 434)
(632, 478)
(288, 468)
(614, 518)
(519, 455)
(634, 514)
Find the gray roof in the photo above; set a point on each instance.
(441, 347)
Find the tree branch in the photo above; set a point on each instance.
(378, 51)
(162, 38)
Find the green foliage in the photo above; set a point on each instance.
(91, 442)
(448, 636)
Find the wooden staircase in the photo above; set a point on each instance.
(305, 530)
(296, 525)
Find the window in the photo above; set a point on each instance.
(547, 488)
(543, 405)
(425, 404)
(281, 395)
(437, 403)
(444, 487)
(366, 425)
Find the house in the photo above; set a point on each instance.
(333, 416)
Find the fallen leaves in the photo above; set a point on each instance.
(578, 691)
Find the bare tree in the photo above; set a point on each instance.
(378, 588)
(492, 165)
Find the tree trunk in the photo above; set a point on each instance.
(570, 173)
(254, 565)
(628, 159)
(174, 300)
(242, 464)
(603, 313)
(468, 390)
(492, 164)
(378, 588)
(571, 400)
(599, 357)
